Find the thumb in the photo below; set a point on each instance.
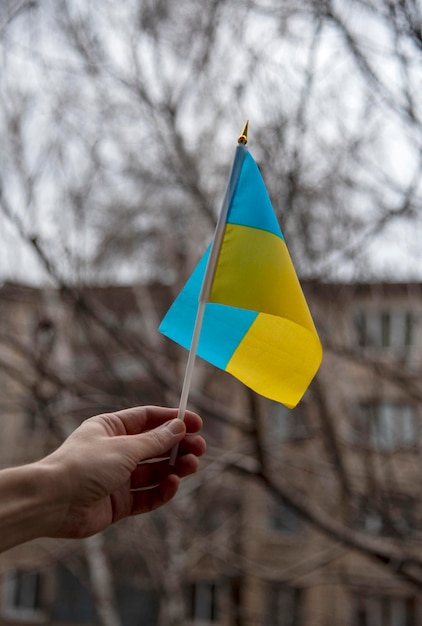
(161, 439)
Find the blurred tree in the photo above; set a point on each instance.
(117, 126)
(119, 120)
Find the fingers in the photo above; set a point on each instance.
(158, 441)
(144, 501)
(149, 474)
(153, 435)
(139, 419)
(192, 444)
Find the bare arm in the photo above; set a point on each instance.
(97, 476)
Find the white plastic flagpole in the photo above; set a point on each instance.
(209, 275)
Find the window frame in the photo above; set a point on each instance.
(194, 612)
(276, 613)
(275, 511)
(286, 425)
(12, 589)
(385, 329)
(381, 514)
(368, 607)
(385, 426)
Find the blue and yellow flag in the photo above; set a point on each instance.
(256, 325)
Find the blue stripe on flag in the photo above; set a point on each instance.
(251, 205)
(223, 327)
(223, 330)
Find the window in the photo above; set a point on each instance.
(385, 329)
(283, 519)
(23, 595)
(44, 334)
(73, 602)
(385, 426)
(386, 514)
(286, 424)
(384, 610)
(283, 605)
(202, 602)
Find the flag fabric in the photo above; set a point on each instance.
(257, 325)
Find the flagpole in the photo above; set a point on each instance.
(239, 157)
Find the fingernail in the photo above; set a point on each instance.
(176, 426)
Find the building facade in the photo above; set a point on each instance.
(229, 551)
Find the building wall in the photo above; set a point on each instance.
(272, 568)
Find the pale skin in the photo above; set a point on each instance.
(98, 475)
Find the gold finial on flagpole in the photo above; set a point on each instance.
(243, 138)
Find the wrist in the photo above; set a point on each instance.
(31, 504)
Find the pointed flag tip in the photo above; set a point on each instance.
(243, 138)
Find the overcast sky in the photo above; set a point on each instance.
(33, 57)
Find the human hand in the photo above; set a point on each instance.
(99, 473)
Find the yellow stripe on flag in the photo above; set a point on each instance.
(287, 354)
(255, 272)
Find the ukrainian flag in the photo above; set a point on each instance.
(256, 325)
